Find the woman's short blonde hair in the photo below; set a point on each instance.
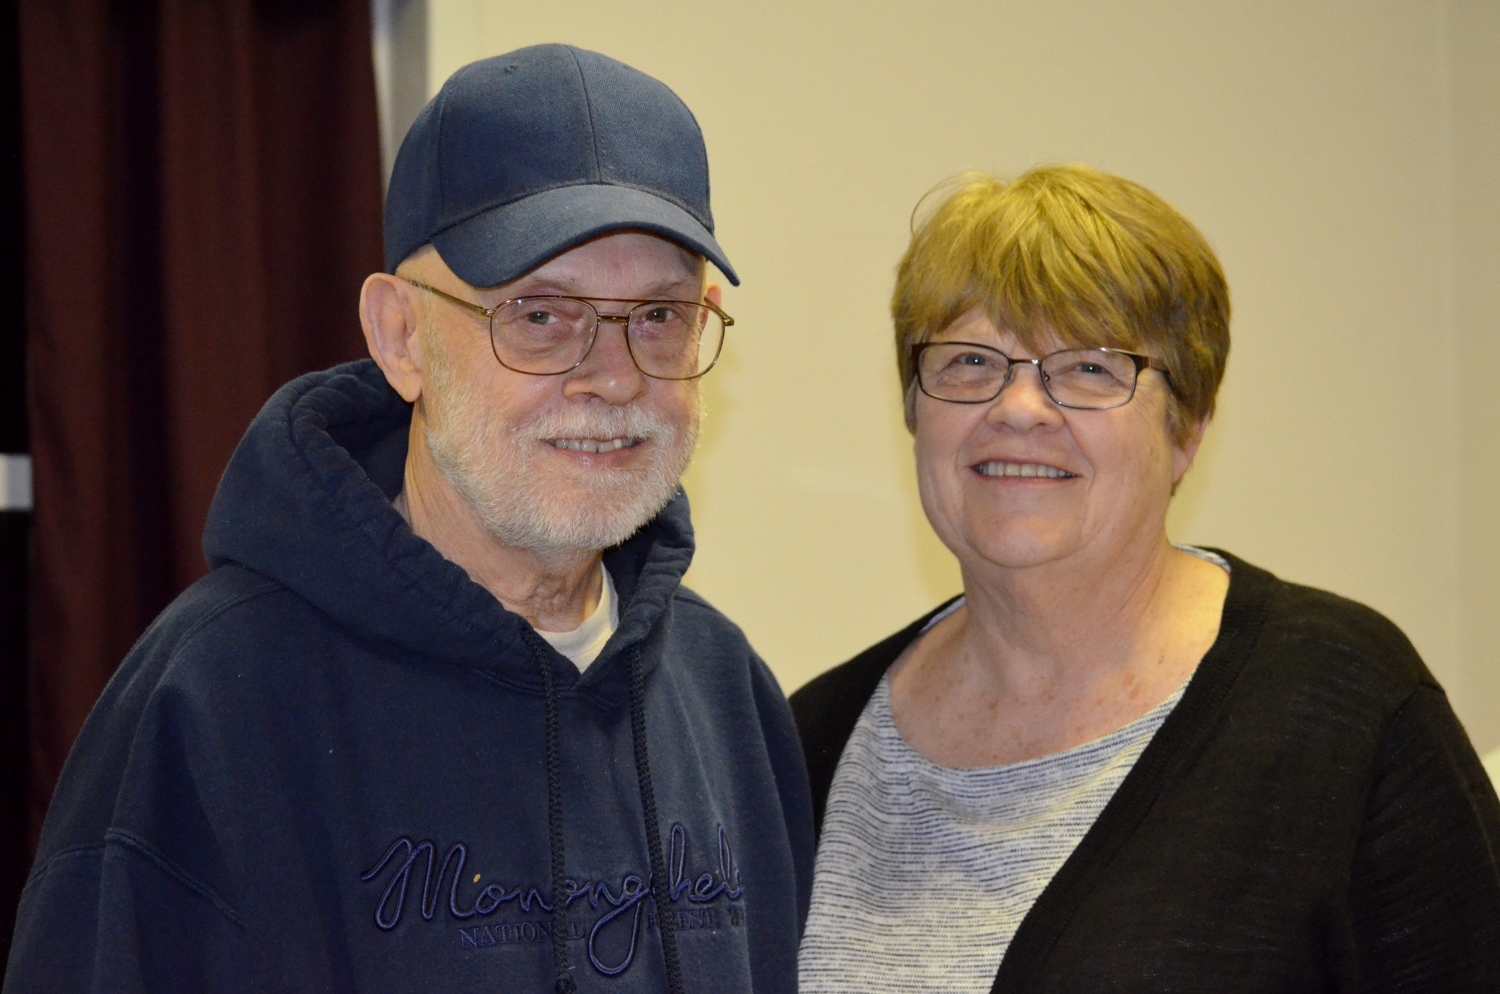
(1071, 255)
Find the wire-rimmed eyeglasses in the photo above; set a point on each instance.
(549, 335)
(1083, 379)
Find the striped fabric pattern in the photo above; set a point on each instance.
(924, 872)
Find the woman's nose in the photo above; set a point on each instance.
(1023, 398)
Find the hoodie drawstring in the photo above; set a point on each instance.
(666, 922)
(542, 653)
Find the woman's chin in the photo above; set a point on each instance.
(1018, 548)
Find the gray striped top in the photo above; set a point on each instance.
(924, 872)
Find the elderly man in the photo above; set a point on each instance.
(442, 717)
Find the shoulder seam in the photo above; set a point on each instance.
(138, 845)
(692, 597)
(43, 869)
(685, 597)
(1400, 707)
(266, 586)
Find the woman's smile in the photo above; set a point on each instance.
(1023, 470)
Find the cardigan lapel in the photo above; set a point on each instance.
(1245, 610)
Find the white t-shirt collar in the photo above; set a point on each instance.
(583, 644)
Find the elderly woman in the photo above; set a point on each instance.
(1115, 764)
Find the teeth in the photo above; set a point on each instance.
(591, 444)
(1024, 469)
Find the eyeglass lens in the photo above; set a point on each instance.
(667, 339)
(1091, 379)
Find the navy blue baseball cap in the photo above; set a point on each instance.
(523, 156)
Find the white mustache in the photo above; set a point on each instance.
(609, 422)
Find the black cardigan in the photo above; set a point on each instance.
(1310, 817)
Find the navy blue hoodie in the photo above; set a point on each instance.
(326, 766)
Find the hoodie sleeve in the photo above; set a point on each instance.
(122, 918)
(790, 770)
(131, 891)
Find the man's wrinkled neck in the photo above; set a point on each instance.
(553, 589)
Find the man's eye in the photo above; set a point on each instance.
(666, 314)
(539, 317)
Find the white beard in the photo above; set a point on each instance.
(495, 467)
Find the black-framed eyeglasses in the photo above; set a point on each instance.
(1083, 379)
(550, 335)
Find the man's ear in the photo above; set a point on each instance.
(714, 294)
(390, 317)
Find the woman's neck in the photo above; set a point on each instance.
(1046, 658)
(1067, 615)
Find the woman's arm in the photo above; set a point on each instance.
(1424, 895)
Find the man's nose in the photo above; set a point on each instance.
(608, 371)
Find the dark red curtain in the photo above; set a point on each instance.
(202, 198)
(15, 522)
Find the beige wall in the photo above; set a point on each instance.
(1474, 72)
(1340, 157)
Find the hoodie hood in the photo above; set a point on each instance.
(306, 501)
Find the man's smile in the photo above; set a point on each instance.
(594, 444)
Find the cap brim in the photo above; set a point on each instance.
(507, 242)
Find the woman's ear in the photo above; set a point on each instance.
(1187, 449)
(390, 317)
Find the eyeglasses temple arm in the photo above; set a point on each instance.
(482, 311)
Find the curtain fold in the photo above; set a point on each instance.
(203, 197)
